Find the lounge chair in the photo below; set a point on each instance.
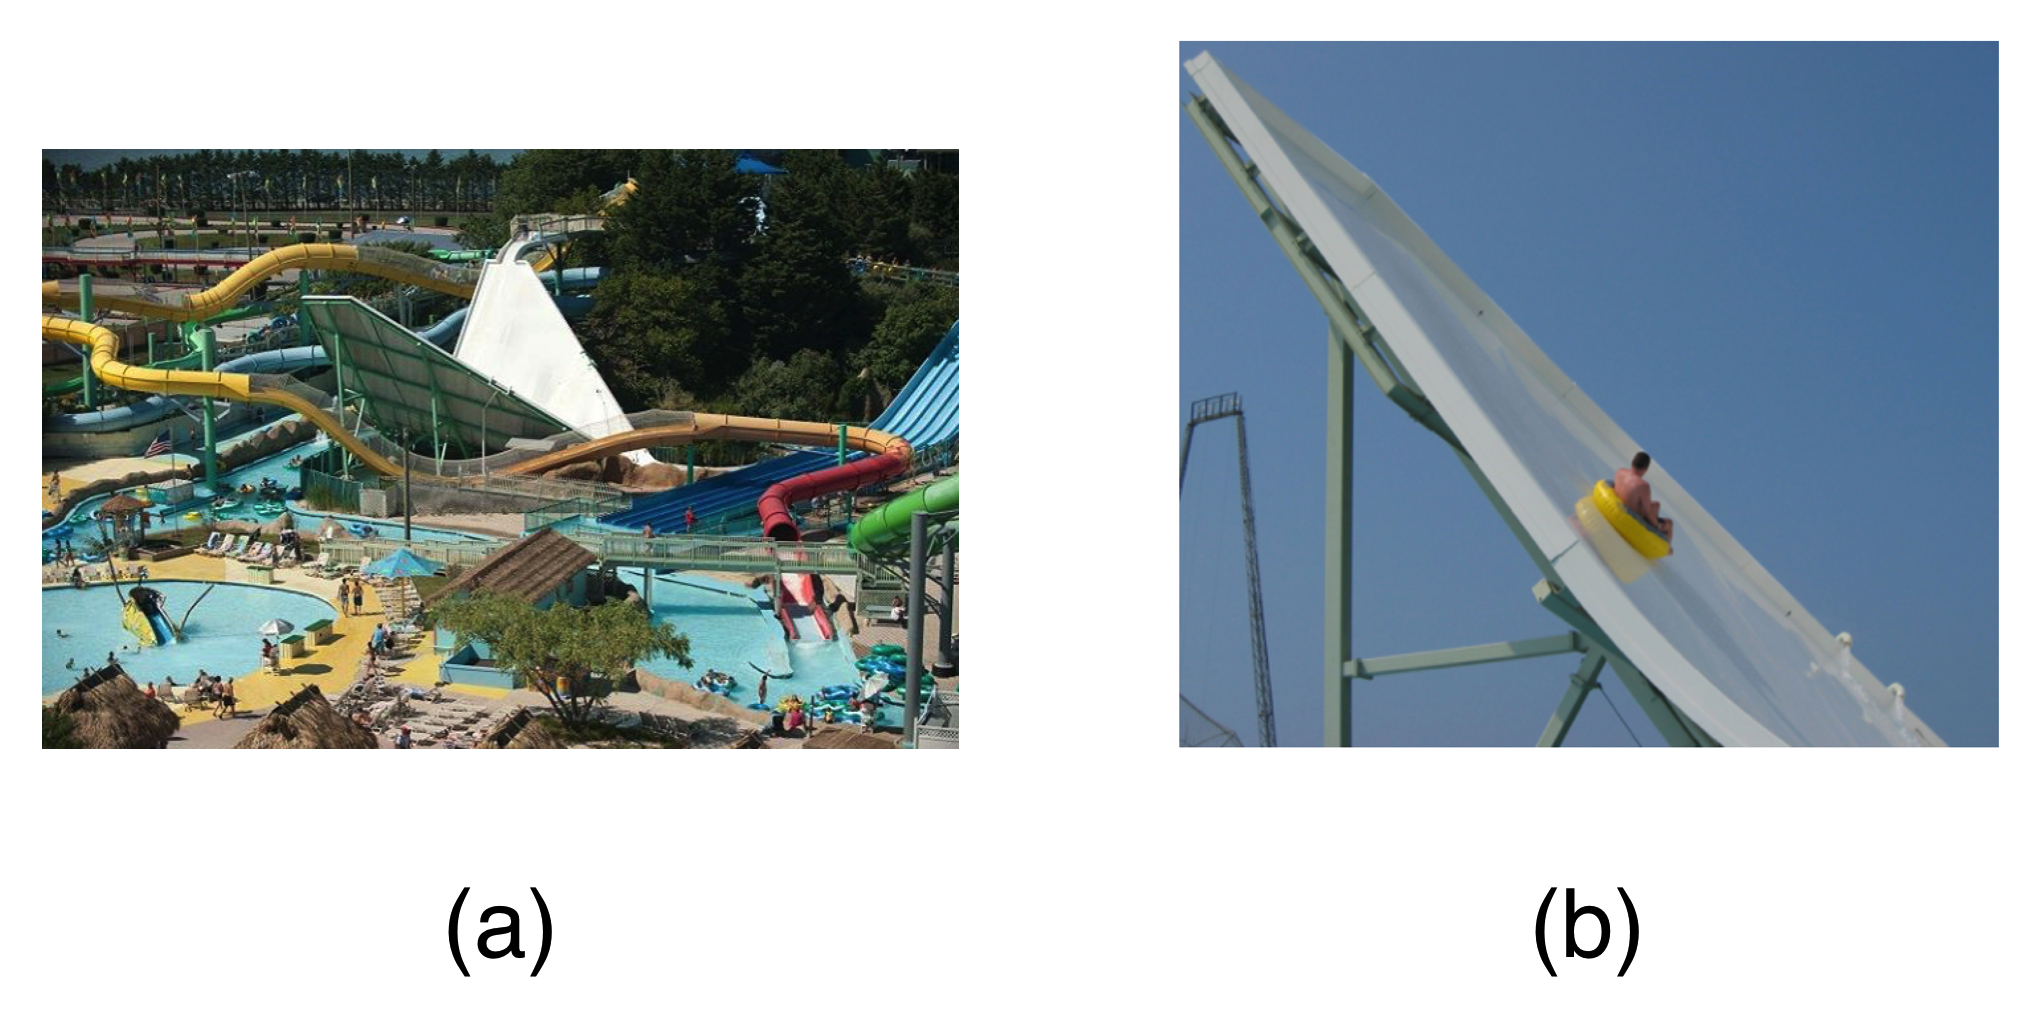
(233, 546)
(255, 547)
(265, 553)
(212, 542)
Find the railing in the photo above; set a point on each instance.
(863, 267)
(935, 456)
(446, 552)
(710, 553)
(535, 225)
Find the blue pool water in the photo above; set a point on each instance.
(220, 635)
(729, 627)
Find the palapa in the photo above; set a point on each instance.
(106, 709)
(305, 721)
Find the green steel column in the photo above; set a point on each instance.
(1580, 684)
(304, 318)
(1341, 389)
(691, 464)
(211, 450)
(841, 462)
(85, 313)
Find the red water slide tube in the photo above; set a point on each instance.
(779, 524)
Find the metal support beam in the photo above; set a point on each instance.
(1580, 684)
(1675, 727)
(1472, 655)
(1341, 390)
(918, 585)
(90, 395)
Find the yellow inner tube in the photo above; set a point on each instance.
(1642, 539)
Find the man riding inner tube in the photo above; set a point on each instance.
(1627, 502)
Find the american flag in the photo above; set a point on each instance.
(160, 446)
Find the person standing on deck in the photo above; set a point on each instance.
(1631, 485)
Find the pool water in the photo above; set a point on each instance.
(729, 627)
(220, 635)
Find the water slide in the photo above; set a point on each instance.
(884, 531)
(515, 335)
(925, 413)
(1707, 626)
(383, 455)
(196, 306)
(190, 359)
(801, 598)
(293, 359)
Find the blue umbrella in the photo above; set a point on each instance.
(400, 564)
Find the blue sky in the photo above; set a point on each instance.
(1773, 265)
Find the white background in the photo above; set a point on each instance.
(1070, 854)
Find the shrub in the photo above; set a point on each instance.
(305, 236)
(440, 222)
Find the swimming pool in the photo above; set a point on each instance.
(220, 635)
(729, 628)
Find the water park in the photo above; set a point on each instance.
(576, 449)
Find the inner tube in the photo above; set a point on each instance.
(1643, 538)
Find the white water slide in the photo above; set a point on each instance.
(1708, 626)
(516, 335)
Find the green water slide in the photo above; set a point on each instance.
(885, 530)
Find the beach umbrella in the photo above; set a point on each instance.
(275, 626)
(400, 564)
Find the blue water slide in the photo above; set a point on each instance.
(161, 626)
(294, 359)
(925, 412)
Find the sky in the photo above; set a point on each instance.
(1773, 265)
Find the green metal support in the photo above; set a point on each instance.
(91, 394)
(212, 445)
(1675, 727)
(1341, 400)
(691, 464)
(304, 315)
(1472, 655)
(1580, 684)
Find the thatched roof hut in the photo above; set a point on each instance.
(521, 730)
(305, 722)
(124, 503)
(106, 709)
(529, 569)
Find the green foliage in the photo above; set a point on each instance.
(483, 231)
(805, 387)
(545, 181)
(690, 208)
(577, 643)
(913, 325)
(59, 732)
(654, 334)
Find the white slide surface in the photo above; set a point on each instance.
(517, 336)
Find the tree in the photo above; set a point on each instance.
(690, 208)
(805, 387)
(915, 321)
(562, 646)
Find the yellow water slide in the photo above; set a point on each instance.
(106, 364)
(384, 263)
